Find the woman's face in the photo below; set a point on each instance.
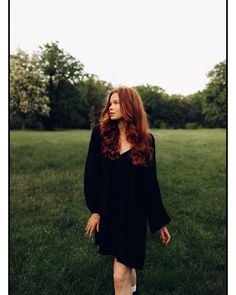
(114, 107)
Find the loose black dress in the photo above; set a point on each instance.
(127, 197)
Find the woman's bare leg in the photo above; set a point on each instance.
(121, 276)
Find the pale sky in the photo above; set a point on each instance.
(169, 43)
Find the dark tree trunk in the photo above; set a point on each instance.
(23, 124)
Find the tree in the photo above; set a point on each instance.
(214, 97)
(153, 99)
(67, 110)
(93, 92)
(92, 116)
(59, 66)
(27, 87)
(175, 110)
(195, 108)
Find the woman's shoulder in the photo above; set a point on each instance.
(96, 128)
(151, 137)
(96, 131)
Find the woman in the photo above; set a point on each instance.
(121, 187)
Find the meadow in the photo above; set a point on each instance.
(49, 251)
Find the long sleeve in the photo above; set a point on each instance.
(156, 213)
(91, 173)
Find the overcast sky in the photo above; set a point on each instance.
(169, 43)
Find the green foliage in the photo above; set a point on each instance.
(191, 125)
(162, 109)
(73, 93)
(214, 97)
(154, 99)
(63, 73)
(195, 107)
(58, 64)
(93, 92)
(27, 87)
(49, 251)
(55, 78)
(163, 125)
(176, 111)
(67, 111)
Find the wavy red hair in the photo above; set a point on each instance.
(136, 126)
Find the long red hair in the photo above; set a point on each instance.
(136, 127)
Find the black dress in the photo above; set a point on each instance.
(127, 197)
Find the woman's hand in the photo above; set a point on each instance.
(93, 223)
(164, 235)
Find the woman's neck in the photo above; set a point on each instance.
(121, 126)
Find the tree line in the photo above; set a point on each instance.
(50, 90)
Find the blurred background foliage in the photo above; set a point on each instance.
(50, 90)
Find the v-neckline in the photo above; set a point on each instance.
(125, 152)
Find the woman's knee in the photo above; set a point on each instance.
(120, 278)
(121, 274)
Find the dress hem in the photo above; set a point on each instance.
(131, 265)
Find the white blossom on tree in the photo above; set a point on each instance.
(27, 87)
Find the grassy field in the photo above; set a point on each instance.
(49, 251)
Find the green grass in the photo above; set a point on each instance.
(49, 251)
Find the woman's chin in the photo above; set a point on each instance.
(113, 118)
